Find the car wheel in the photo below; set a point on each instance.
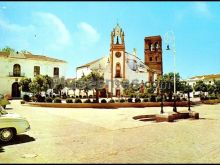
(6, 134)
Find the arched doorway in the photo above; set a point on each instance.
(15, 90)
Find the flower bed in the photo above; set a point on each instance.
(108, 105)
(215, 101)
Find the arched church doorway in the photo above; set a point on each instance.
(15, 90)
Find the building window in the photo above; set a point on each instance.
(16, 70)
(156, 58)
(150, 58)
(56, 72)
(156, 46)
(36, 70)
(118, 70)
(150, 47)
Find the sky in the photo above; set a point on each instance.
(79, 32)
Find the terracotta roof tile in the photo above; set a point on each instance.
(34, 57)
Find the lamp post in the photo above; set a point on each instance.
(170, 40)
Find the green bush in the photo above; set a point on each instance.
(64, 96)
(49, 100)
(137, 100)
(122, 100)
(103, 101)
(130, 100)
(40, 98)
(26, 98)
(158, 99)
(145, 100)
(22, 102)
(69, 100)
(204, 98)
(152, 98)
(95, 101)
(33, 98)
(112, 101)
(213, 96)
(57, 100)
(87, 101)
(78, 100)
(177, 98)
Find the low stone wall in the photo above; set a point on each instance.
(107, 105)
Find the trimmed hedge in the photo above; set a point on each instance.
(26, 98)
(146, 100)
(87, 101)
(103, 101)
(122, 100)
(112, 101)
(78, 101)
(130, 100)
(69, 100)
(49, 100)
(137, 100)
(57, 100)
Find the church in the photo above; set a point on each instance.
(121, 65)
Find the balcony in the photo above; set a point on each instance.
(16, 74)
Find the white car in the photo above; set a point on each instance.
(11, 124)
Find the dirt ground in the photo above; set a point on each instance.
(68, 135)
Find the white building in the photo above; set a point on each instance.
(118, 65)
(15, 65)
(207, 79)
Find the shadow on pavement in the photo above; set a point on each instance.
(19, 139)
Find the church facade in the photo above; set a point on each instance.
(121, 65)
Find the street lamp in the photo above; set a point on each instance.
(170, 40)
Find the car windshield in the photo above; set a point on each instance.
(2, 111)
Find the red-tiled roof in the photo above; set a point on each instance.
(210, 76)
(33, 57)
(90, 63)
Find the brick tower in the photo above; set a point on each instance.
(153, 53)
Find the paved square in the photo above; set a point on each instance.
(111, 136)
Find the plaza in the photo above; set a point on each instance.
(90, 135)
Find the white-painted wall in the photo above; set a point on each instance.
(27, 67)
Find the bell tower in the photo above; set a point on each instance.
(117, 57)
(153, 53)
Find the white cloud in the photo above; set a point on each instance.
(4, 7)
(202, 9)
(14, 27)
(54, 26)
(87, 34)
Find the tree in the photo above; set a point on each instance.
(95, 81)
(167, 83)
(8, 49)
(59, 87)
(39, 84)
(211, 88)
(24, 84)
(185, 88)
(200, 86)
(217, 86)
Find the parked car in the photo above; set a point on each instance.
(11, 124)
(3, 101)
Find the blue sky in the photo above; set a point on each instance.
(79, 32)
